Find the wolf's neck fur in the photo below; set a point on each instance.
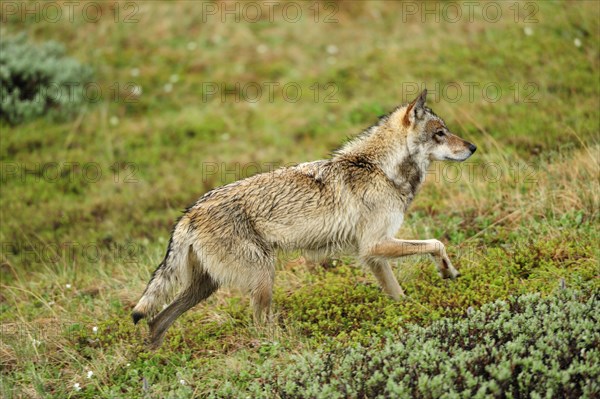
(385, 145)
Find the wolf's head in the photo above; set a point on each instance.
(428, 135)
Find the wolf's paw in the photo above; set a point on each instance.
(446, 269)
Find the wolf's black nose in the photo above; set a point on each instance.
(472, 148)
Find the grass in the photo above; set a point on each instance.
(78, 246)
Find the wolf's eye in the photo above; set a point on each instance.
(440, 133)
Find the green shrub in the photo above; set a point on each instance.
(528, 346)
(39, 80)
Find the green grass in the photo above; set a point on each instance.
(78, 249)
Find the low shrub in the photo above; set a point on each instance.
(39, 80)
(527, 346)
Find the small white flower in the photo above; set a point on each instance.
(35, 342)
(332, 49)
(90, 373)
(528, 31)
(191, 46)
(262, 48)
(174, 78)
(77, 387)
(114, 121)
(95, 329)
(135, 72)
(68, 286)
(182, 382)
(168, 88)
(128, 364)
(136, 90)
(577, 42)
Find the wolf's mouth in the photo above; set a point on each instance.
(458, 159)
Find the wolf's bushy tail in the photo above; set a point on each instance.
(169, 276)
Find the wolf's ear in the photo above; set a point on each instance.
(415, 109)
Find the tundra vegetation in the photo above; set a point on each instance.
(88, 201)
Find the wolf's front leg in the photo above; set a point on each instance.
(394, 248)
(385, 276)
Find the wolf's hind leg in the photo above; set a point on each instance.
(201, 287)
(385, 276)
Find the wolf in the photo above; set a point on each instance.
(354, 202)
